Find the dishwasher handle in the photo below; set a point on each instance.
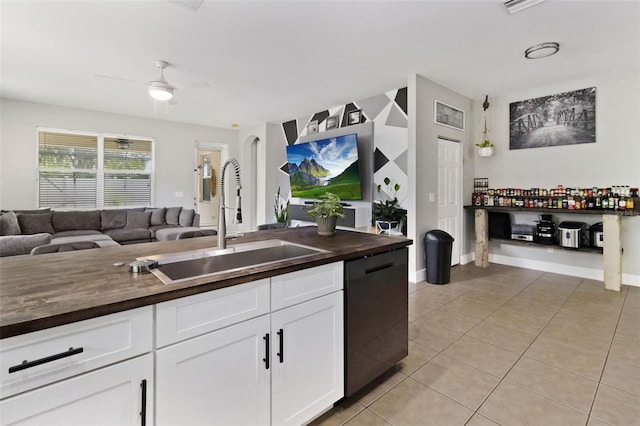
(378, 268)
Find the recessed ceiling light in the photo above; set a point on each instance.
(542, 50)
(515, 6)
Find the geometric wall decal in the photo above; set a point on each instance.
(401, 161)
(396, 118)
(379, 160)
(401, 99)
(320, 116)
(290, 131)
(371, 107)
(285, 168)
(347, 109)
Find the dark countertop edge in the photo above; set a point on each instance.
(24, 327)
(600, 212)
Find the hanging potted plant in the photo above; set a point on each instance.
(281, 210)
(389, 217)
(327, 210)
(485, 148)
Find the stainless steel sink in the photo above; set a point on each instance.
(187, 265)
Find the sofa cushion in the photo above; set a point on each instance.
(55, 239)
(9, 224)
(36, 223)
(173, 215)
(186, 217)
(138, 220)
(30, 211)
(129, 234)
(112, 219)
(12, 245)
(155, 228)
(75, 220)
(157, 216)
(55, 248)
(76, 233)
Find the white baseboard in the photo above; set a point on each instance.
(558, 268)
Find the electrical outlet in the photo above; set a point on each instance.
(179, 194)
(432, 197)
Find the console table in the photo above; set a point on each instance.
(612, 228)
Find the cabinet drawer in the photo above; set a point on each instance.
(71, 349)
(109, 396)
(300, 286)
(191, 316)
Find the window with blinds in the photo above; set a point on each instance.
(93, 171)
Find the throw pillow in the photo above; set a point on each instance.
(173, 215)
(113, 219)
(138, 220)
(158, 216)
(9, 224)
(36, 223)
(186, 217)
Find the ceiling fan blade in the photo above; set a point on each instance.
(119, 79)
(186, 85)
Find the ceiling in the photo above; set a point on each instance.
(270, 61)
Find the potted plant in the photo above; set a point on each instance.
(485, 148)
(327, 210)
(281, 209)
(388, 215)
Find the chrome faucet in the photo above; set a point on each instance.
(222, 223)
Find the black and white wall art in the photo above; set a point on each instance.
(563, 119)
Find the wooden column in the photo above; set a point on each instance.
(612, 255)
(482, 238)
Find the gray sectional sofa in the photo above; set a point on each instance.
(23, 232)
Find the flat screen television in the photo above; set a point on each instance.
(325, 165)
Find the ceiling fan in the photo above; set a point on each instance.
(160, 89)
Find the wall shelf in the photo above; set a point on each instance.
(599, 212)
(596, 250)
(612, 223)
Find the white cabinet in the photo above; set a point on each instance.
(116, 395)
(265, 366)
(308, 352)
(216, 379)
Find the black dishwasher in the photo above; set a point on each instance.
(376, 316)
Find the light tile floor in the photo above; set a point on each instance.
(509, 346)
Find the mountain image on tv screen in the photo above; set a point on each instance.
(327, 165)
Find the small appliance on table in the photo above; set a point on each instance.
(572, 234)
(545, 230)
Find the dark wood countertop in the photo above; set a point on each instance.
(44, 291)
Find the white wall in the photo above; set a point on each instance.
(423, 166)
(613, 160)
(174, 148)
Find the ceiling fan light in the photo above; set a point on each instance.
(542, 50)
(160, 91)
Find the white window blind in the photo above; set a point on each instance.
(93, 171)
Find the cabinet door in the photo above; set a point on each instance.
(114, 395)
(216, 379)
(308, 359)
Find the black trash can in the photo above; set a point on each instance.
(437, 249)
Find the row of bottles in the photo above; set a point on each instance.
(611, 198)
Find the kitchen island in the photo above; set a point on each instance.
(259, 345)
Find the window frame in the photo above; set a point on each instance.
(100, 170)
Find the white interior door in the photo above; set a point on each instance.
(450, 192)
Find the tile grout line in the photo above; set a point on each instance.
(521, 355)
(606, 358)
